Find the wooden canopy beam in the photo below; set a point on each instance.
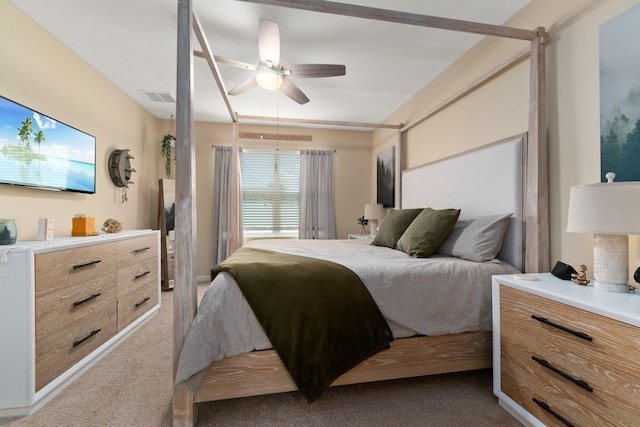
(185, 287)
(537, 197)
(209, 57)
(321, 122)
(402, 18)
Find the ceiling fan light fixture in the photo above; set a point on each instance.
(269, 79)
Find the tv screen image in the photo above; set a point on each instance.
(39, 151)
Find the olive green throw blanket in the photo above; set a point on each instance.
(318, 315)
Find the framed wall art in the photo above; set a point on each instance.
(386, 177)
(620, 96)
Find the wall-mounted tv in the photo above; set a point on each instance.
(40, 152)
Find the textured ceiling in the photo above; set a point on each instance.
(133, 44)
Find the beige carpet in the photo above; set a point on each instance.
(131, 386)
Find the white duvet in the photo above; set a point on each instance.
(418, 296)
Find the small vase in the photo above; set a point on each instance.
(362, 230)
(8, 232)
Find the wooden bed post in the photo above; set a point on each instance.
(537, 196)
(185, 287)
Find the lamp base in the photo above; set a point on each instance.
(611, 287)
(611, 262)
(374, 227)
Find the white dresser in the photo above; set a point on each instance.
(566, 354)
(64, 303)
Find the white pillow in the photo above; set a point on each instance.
(478, 239)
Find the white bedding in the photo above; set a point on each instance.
(425, 296)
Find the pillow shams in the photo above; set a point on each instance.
(478, 239)
(427, 232)
(393, 225)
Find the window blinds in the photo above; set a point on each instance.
(270, 193)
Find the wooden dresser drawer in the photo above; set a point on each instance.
(526, 388)
(136, 303)
(132, 251)
(60, 269)
(61, 308)
(133, 276)
(171, 265)
(524, 379)
(57, 352)
(584, 360)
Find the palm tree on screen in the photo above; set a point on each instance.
(25, 130)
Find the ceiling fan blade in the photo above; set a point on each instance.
(269, 42)
(314, 70)
(233, 62)
(244, 86)
(293, 92)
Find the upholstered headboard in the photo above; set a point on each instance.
(487, 180)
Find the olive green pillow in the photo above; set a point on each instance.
(393, 225)
(428, 231)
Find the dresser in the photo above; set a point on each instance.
(566, 354)
(64, 303)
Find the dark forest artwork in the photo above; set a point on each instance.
(386, 177)
(620, 97)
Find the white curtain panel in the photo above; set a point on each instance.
(225, 206)
(317, 206)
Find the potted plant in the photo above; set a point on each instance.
(362, 221)
(166, 148)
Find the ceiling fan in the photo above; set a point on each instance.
(270, 74)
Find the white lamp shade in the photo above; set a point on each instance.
(605, 208)
(374, 211)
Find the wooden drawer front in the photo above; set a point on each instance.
(171, 264)
(131, 251)
(605, 364)
(59, 351)
(57, 270)
(520, 390)
(136, 303)
(59, 309)
(577, 404)
(134, 276)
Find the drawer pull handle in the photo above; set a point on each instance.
(547, 408)
(142, 249)
(94, 332)
(580, 383)
(142, 274)
(77, 303)
(87, 264)
(138, 304)
(564, 328)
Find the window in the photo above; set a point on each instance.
(270, 193)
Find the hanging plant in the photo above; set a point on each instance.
(166, 148)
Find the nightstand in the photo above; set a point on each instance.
(564, 353)
(361, 236)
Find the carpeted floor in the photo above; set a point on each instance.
(132, 386)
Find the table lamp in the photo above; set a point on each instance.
(373, 212)
(610, 211)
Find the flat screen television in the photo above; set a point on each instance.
(40, 152)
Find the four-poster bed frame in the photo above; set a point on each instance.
(261, 372)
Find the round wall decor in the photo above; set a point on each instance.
(120, 168)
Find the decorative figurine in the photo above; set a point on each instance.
(580, 278)
(112, 226)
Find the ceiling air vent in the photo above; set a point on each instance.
(159, 96)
